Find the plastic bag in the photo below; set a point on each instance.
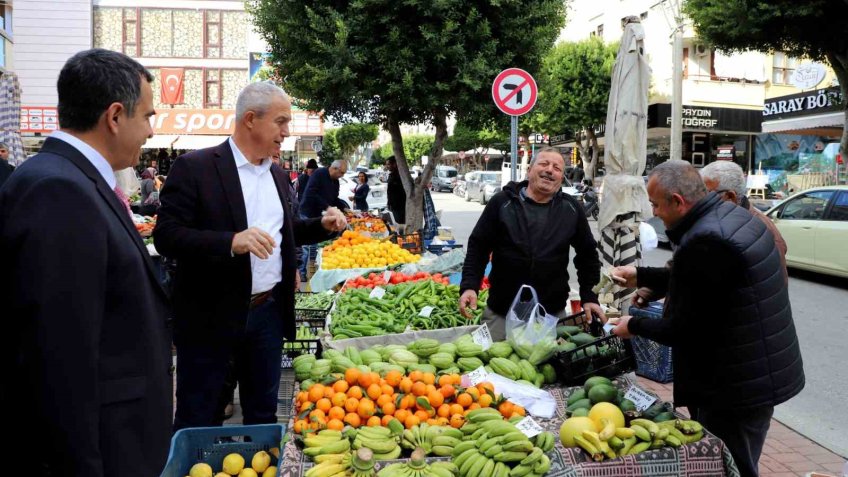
(647, 236)
(530, 329)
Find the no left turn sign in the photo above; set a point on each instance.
(514, 91)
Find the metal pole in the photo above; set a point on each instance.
(677, 94)
(513, 148)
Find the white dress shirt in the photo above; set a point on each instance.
(264, 211)
(95, 158)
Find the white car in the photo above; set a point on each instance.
(376, 196)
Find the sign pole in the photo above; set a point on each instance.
(513, 148)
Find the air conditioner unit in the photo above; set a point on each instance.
(702, 50)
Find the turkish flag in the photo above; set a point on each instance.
(172, 85)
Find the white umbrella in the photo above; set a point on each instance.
(10, 117)
(625, 201)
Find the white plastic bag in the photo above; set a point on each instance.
(531, 332)
(647, 236)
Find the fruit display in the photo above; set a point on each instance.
(260, 465)
(372, 280)
(347, 464)
(368, 225)
(354, 250)
(145, 225)
(417, 466)
(401, 307)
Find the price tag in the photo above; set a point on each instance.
(482, 337)
(529, 427)
(377, 293)
(425, 312)
(640, 398)
(608, 328)
(387, 275)
(368, 224)
(477, 376)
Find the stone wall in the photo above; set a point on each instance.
(107, 28)
(235, 29)
(233, 81)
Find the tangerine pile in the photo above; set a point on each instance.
(366, 399)
(353, 250)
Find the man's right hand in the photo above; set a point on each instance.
(624, 276)
(467, 300)
(255, 241)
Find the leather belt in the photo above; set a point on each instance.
(259, 299)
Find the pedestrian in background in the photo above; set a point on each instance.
(87, 355)
(303, 178)
(320, 194)
(395, 193)
(360, 192)
(726, 316)
(149, 192)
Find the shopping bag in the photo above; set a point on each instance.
(530, 330)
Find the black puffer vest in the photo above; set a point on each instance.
(738, 347)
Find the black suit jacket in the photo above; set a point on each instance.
(202, 209)
(86, 361)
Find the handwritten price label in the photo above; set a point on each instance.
(387, 275)
(478, 376)
(529, 427)
(639, 397)
(377, 293)
(482, 337)
(426, 311)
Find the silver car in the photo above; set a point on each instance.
(482, 185)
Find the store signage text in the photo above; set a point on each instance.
(805, 103)
(193, 121)
(696, 118)
(808, 76)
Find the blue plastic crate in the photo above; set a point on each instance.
(203, 444)
(653, 360)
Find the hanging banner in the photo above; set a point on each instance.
(172, 85)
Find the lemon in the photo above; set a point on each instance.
(233, 464)
(248, 472)
(270, 472)
(200, 470)
(221, 474)
(261, 461)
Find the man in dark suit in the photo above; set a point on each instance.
(225, 217)
(87, 352)
(6, 169)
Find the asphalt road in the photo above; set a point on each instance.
(820, 305)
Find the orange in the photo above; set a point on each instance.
(486, 388)
(387, 389)
(365, 408)
(352, 419)
(448, 391)
(324, 404)
(339, 399)
(411, 421)
(406, 385)
(306, 406)
(429, 378)
(386, 420)
(419, 388)
(422, 415)
(485, 400)
(365, 380)
(388, 408)
(335, 424)
(429, 388)
(416, 376)
(316, 392)
(317, 415)
(374, 421)
(375, 378)
(442, 421)
(475, 394)
(351, 404)
(407, 401)
(474, 406)
(299, 426)
(444, 410)
(516, 409)
(352, 376)
(341, 386)
(456, 409)
(374, 391)
(336, 413)
(401, 415)
(432, 422)
(457, 421)
(457, 379)
(506, 409)
(445, 379)
(302, 396)
(328, 391)
(464, 400)
(383, 399)
(355, 392)
(393, 378)
(435, 397)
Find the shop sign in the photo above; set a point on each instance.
(222, 122)
(39, 119)
(707, 118)
(819, 101)
(696, 118)
(726, 153)
(808, 76)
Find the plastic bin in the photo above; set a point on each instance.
(575, 366)
(313, 318)
(653, 360)
(203, 444)
(411, 242)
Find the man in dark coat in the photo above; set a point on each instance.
(87, 353)
(303, 178)
(395, 193)
(226, 218)
(5, 168)
(727, 314)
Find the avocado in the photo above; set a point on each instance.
(627, 405)
(595, 380)
(580, 412)
(582, 339)
(602, 393)
(654, 410)
(665, 416)
(583, 403)
(577, 395)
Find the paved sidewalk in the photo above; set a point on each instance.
(786, 453)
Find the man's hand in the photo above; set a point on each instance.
(643, 297)
(621, 328)
(255, 241)
(624, 276)
(333, 220)
(467, 300)
(592, 310)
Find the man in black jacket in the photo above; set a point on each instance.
(6, 169)
(303, 178)
(395, 193)
(529, 229)
(727, 313)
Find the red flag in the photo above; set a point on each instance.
(172, 85)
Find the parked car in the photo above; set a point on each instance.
(482, 185)
(376, 196)
(459, 188)
(571, 189)
(444, 178)
(814, 224)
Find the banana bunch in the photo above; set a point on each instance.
(330, 465)
(496, 448)
(545, 441)
(436, 440)
(417, 467)
(642, 435)
(380, 440)
(326, 442)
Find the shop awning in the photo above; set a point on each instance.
(289, 143)
(827, 120)
(192, 142)
(160, 141)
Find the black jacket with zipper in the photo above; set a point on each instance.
(540, 261)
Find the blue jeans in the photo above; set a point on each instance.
(202, 370)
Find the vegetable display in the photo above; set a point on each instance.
(379, 279)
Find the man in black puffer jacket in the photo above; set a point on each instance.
(727, 313)
(529, 229)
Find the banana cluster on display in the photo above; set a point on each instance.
(358, 464)
(417, 466)
(642, 435)
(492, 447)
(435, 440)
(380, 440)
(326, 442)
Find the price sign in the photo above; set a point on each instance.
(377, 293)
(387, 275)
(368, 224)
(608, 328)
(478, 376)
(639, 397)
(425, 312)
(529, 427)
(482, 337)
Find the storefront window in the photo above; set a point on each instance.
(783, 66)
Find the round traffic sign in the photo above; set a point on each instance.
(514, 91)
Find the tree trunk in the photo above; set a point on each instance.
(839, 63)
